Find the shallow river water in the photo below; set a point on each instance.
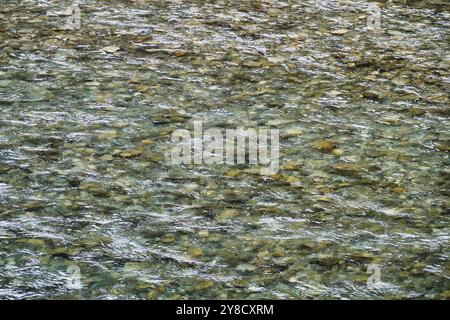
(91, 207)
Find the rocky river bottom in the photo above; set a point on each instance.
(91, 207)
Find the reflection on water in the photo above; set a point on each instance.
(85, 122)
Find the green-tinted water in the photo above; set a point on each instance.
(86, 191)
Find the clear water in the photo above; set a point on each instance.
(91, 208)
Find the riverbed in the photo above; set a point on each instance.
(92, 208)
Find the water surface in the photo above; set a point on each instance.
(85, 123)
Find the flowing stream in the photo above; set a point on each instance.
(91, 207)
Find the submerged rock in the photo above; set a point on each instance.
(228, 213)
(325, 145)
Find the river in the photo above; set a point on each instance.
(91, 207)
